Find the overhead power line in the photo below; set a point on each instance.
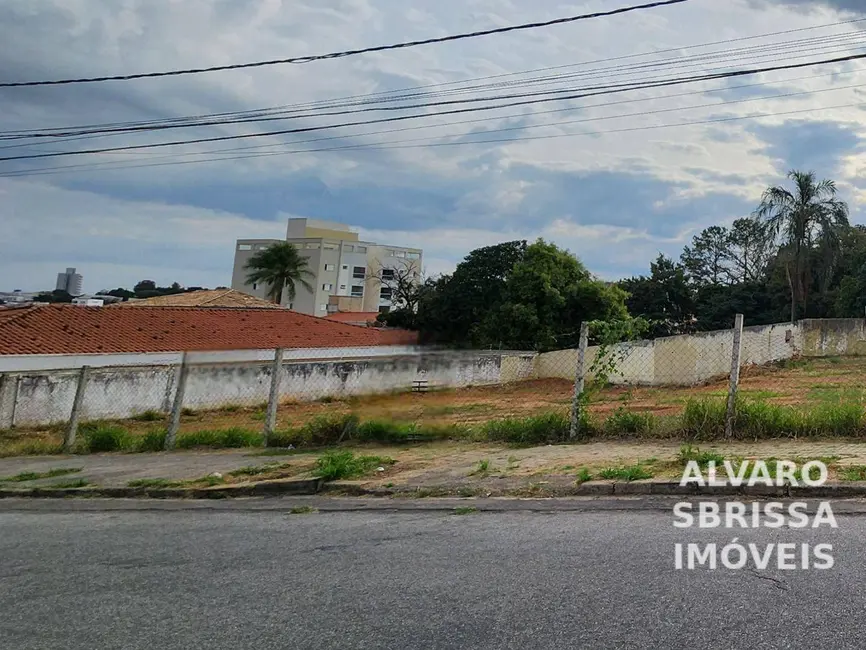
(600, 91)
(389, 94)
(345, 53)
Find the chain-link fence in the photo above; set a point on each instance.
(789, 379)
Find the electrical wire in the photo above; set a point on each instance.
(345, 53)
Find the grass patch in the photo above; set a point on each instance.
(153, 440)
(75, 483)
(258, 470)
(150, 415)
(336, 465)
(534, 430)
(625, 422)
(303, 510)
(279, 451)
(153, 483)
(703, 458)
(483, 468)
(465, 510)
(448, 409)
(583, 476)
(232, 438)
(35, 476)
(188, 412)
(625, 473)
(100, 437)
(853, 473)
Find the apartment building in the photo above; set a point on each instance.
(350, 275)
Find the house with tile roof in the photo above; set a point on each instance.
(75, 330)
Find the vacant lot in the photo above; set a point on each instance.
(804, 384)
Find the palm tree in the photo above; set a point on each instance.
(281, 267)
(810, 219)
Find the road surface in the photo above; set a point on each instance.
(229, 578)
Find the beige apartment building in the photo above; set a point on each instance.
(349, 274)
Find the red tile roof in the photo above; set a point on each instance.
(353, 316)
(73, 329)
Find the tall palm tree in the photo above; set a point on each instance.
(281, 267)
(810, 219)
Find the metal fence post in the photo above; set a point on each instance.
(273, 395)
(177, 407)
(77, 403)
(579, 373)
(735, 375)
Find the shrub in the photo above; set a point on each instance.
(703, 419)
(703, 458)
(622, 421)
(537, 429)
(629, 473)
(219, 438)
(335, 465)
(99, 437)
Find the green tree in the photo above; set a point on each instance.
(808, 218)
(706, 260)
(281, 268)
(664, 298)
(750, 247)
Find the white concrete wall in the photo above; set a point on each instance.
(38, 397)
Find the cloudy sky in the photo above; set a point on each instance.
(615, 185)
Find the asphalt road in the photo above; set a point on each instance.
(233, 579)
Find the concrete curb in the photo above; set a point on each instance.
(311, 486)
(277, 487)
(612, 488)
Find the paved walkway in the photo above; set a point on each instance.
(436, 463)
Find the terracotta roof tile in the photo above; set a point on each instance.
(72, 329)
(203, 298)
(353, 316)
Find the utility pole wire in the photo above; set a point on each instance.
(400, 118)
(345, 53)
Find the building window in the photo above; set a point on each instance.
(359, 272)
(311, 246)
(330, 267)
(342, 287)
(261, 247)
(399, 253)
(413, 256)
(329, 246)
(327, 286)
(360, 249)
(291, 305)
(323, 307)
(357, 291)
(385, 293)
(345, 267)
(348, 248)
(387, 274)
(384, 309)
(255, 285)
(245, 247)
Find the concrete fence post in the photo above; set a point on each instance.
(77, 403)
(736, 351)
(273, 396)
(177, 406)
(579, 376)
(8, 397)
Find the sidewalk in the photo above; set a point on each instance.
(435, 466)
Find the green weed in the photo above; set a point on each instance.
(583, 476)
(153, 440)
(534, 430)
(303, 510)
(703, 458)
(153, 483)
(150, 415)
(234, 437)
(853, 473)
(35, 476)
(257, 470)
(336, 465)
(465, 510)
(627, 473)
(625, 422)
(102, 437)
(75, 483)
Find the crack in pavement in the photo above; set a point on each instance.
(780, 584)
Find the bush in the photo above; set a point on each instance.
(319, 432)
(219, 438)
(335, 465)
(534, 430)
(703, 419)
(703, 458)
(99, 437)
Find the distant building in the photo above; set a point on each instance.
(85, 301)
(348, 273)
(70, 282)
